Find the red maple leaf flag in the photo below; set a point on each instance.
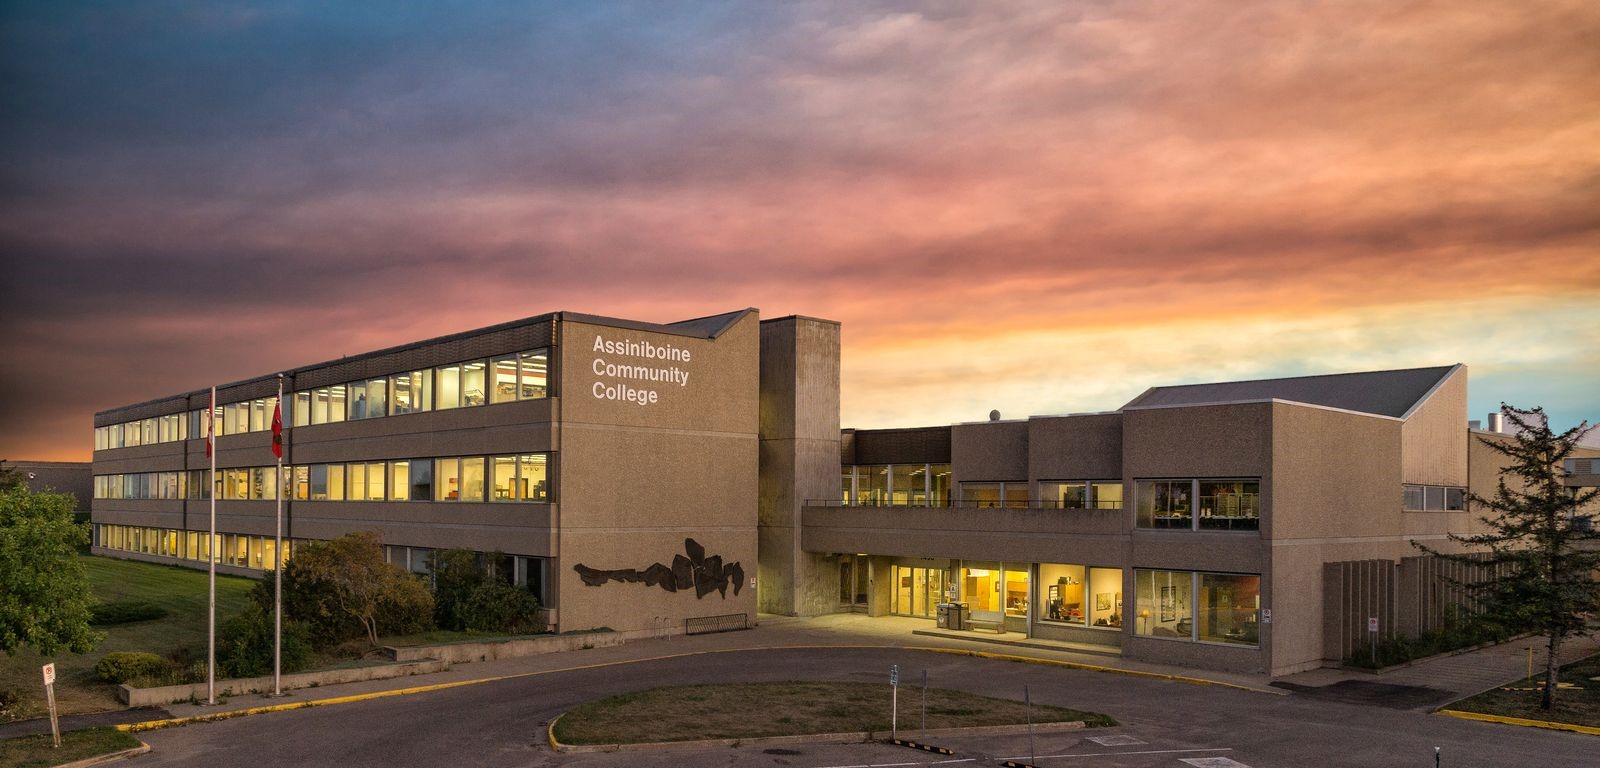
(211, 419)
(277, 430)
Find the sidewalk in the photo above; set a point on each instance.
(1435, 682)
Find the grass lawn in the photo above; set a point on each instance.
(693, 712)
(1577, 697)
(38, 751)
(181, 591)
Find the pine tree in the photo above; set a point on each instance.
(1539, 552)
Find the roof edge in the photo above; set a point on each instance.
(1426, 396)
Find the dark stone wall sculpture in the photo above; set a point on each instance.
(705, 574)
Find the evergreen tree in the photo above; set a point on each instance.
(1539, 552)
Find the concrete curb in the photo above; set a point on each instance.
(108, 757)
(851, 737)
(1524, 722)
(209, 717)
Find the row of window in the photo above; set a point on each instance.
(232, 549)
(1433, 498)
(522, 477)
(1193, 504)
(1196, 606)
(897, 485)
(504, 379)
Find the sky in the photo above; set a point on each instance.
(1031, 207)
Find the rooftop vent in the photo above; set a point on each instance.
(994, 415)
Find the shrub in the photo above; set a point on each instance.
(495, 606)
(244, 644)
(122, 666)
(342, 590)
(124, 612)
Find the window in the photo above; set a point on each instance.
(1455, 499)
(473, 390)
(1229, 505)
(411, 392)
(1165, 604)
(1433, 498)
(1206, 505)
(504, 388)
(446, 479)
(1065, 495)
(872, 485)
(534, 376)
(1229, 606)
(1163, 503)
(980, 494)
(1062, 589)
(357, 400)
(472, 478)
(504, 471)
(301, 412)
(908, 485)
(260, 416)
(447, 387)
(533, 477)
(399, 480)
(1106, 495)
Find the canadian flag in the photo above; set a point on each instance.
(277, 429)
(211, 427)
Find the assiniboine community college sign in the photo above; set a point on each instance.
(624, 377)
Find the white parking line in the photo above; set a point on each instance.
(1110, 754)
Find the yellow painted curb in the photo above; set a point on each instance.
(149, 725)
(550, 733)
(1552, 725)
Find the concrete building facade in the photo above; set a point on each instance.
(637, 475)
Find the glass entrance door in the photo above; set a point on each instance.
(918, 591)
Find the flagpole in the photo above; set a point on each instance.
(211, 552)
(277, 549)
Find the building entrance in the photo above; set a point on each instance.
(918, 591)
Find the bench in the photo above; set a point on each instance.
(992, 621)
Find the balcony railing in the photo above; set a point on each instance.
(973, 504)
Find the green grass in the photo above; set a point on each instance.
(181, 592)
(1577, 696)
(446, 637)
(729, 711)
(38, 751)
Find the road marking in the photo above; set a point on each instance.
(1121, 740)
(1212, 762)
(1113, 754)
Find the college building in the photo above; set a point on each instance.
(637, 475)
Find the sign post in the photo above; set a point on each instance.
(1372, 632)
(50, 698)
(1027, 703)
(894, 701)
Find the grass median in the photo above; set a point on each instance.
(37, 751)
(750, 710)
(1577, 697)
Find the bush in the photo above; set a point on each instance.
(244, 644)
(122, 666)
(495, 606)
(342, 590)
(124, 612)
(1457, 633)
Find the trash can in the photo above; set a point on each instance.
(943, 614)
(962, 616)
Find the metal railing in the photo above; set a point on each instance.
(705, 625)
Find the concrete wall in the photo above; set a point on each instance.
(74, 477)
(799, 460)
(637, 480)
(1433, 442)
(1087, 447)
(990, 451)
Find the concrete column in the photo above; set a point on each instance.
(799, 460)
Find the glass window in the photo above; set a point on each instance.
(446, 479)
(114, 436)
(504, 472)
(1105, 586)
(533, 477)
(909, 485)
(421, 479)
(1016, 495)
(1062, 589)
(411, 392)
(260, 417)
(1164, 604)
(130, 434)
(1107, 495)
(399, 480)
(872, 485)
(377, 398)
(336, 403)
(149, 426)
(1065, 495)
(848, 484)
(939, 489)
(472, 479)
(1230, 505)
(318, 475)
(336, 482)
(535, 374)
(238, 484)
(1411, 497)
(301, 412)
(1163, 503)
(302, 482)
(356, 475)
(264, 483)
(980, 494)
(1455, 499)
(447, 387)
(358, 400)
(1016, 590)
(504, 388)
(1433, 497)
(473, 390)
(980, 586)
(1229, 606)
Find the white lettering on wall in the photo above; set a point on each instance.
(625, 374)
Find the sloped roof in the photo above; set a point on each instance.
(1381, 393)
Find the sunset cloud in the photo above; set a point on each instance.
(1029, 206)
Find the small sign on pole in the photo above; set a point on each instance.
(894, 701)
(1372, 624)
(50, 699)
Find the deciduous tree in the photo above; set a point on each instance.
(44, 591)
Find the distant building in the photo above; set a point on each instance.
(74, 477)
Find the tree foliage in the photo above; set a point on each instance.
(342, 589)
(44, 591)
(477, 595)
(1537, 555)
